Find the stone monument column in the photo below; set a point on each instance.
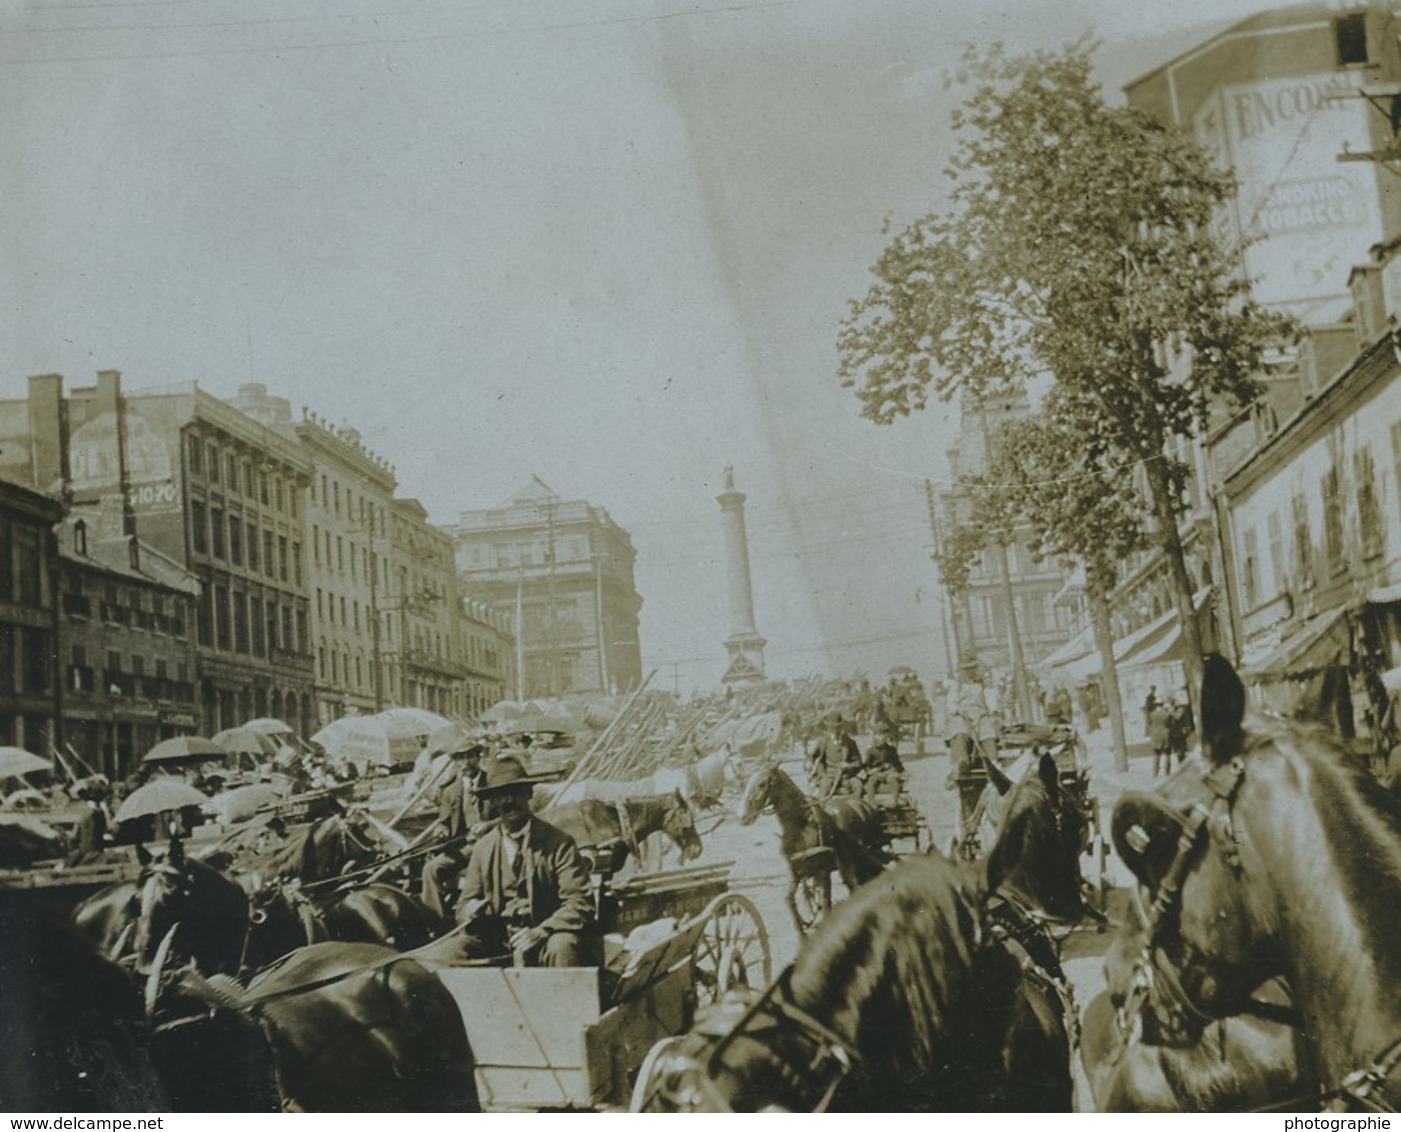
(744, 644)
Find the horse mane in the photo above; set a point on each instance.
(1347, 797)
(893, 966)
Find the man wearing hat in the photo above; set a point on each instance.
(459, 819)
(883, 770)
(526, 891)
(835, 759)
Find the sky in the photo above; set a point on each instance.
(608, 243)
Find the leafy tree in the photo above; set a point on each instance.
(1077, 243)
(1083, 510)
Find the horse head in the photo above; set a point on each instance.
(337, 844)
(679, 824)
(1208, 942)
(751, 1051)
(196, 912)
(755, 797)
(1036, 858)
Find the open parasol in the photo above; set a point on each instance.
(159, 796)
(241, 741)
(267, 726)
(184, 749)
(16, 762)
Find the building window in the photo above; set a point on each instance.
(1333, 521)
(199, 527)
(279, 494)
(233, 473)
(216, 531)
(222, 636)
(316, 544)
(269, 562)
(263, 487)
(80, 538)
(297, 564)
(288, 641)
(1303, 541)
(282, 572)
(1274, 529)
(235, 540)
(1350, 38)
(255, 619)
(213, 464)
(303, 637)
(1249, 568)
(240, 619)
(248, 485)
(336, 494)
(252, 547)
(196, 451)
(1369, 512)
(272, 625)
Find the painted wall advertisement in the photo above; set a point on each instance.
(1311, 216)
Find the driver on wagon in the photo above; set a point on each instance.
(526, 890)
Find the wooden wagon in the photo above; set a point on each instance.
(574, 1038)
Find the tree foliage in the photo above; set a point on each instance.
(1077, 243)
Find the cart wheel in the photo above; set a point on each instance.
(645, 1090)
(812, 898)
(732, 950)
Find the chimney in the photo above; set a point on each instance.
(48, 432)
(109, 400)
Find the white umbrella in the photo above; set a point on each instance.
(366, 740)
(268, 727)
(158, 796)
(412, 721)
(16, 762)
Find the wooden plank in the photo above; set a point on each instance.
(526, 1028)
(618, 1042)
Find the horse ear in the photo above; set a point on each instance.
(1223, 708)
(143, 855)
(176, 855)
(1049, 773)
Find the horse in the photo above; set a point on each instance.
(284, 917)
(1283, 860)
(72, 1031)
(351, 1027)
(207, 911)
(934, 988)
(845, 834)
(629, 822)
(1240, 1063)
(337, 844)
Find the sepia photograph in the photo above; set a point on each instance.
(700, 556)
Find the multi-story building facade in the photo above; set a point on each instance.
(31, 701)
(126, 647)
(1311, 532)
(421, 634)
(489, 652)
(218, 493)
(346, 533)
(563, 570)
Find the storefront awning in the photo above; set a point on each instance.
(1298, 650)
(1082, 644)
(1154, 643)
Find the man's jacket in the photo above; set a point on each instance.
(553, 874)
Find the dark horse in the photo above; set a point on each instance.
(1237, 1064)
(352, 1027)
(935, 988)
(629, 822)
(73, 1035)
(844, 834)
(1281, 860)
(205, 909)
(325, 850)
(284, 918)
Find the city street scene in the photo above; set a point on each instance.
(644, 556)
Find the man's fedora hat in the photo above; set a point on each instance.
(504, 772)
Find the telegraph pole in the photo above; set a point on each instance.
(951, 657)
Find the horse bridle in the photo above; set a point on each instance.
(830, 1058)
(1160, 981)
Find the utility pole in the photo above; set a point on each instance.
(375, 660)
(1020, 692)
(951, 657)
(553, 596)
(599, 624)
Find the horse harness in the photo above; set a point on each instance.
(1026, 935)
(1159, 981)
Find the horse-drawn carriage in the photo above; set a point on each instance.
(980, 785)
(571, 1038)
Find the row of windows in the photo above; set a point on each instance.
(224, 467)
(533, 553)
(22, 577)
(342, 670)
(242, 623)
(231, 539)
(1297, 558)
(336, 554)
(362, 509)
